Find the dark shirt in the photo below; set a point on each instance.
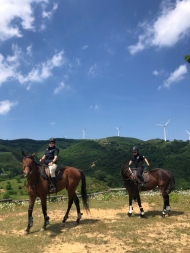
(50, 153)
(138, 160)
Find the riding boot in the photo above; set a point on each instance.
(53, 184)
(142, 180)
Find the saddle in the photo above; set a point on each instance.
(145, 175)
(45, 173)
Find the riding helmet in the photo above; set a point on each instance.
(135, 149)
(51, 140)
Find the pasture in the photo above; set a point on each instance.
(105, 229)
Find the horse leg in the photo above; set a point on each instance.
(140, 206)
(30, 210)
(79, 214)
(130, 205)
(166, 207)
(44, 211)
(70, 202)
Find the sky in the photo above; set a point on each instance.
(94, 69)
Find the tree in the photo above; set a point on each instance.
(187, 58)
(9, 186)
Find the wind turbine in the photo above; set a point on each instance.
(188, 134)
(84, 131)
(118, 128)
(164, 128)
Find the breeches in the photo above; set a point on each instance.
(140, 171)
(52, 169)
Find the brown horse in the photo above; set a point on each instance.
(37, 186)
(155, 178)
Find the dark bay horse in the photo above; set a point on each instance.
(155, 178)
(37, 186)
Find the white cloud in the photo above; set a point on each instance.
(5, 106)
(85, 47)
(49, 14)
(92, 70)
(19, 11)
(60, 87)
(155, 72)
(44, 70)
(94, 107)
(78, 62)
(29, 50)
(172, 25)
(161, 72)
(8, 65)
(175, 77)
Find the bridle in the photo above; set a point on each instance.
(26, 175)
(126, 173)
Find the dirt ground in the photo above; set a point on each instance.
(161, 236)
(118, 246)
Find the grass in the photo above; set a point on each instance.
(105, 229)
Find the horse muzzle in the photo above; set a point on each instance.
(27, 171)
(26, 174)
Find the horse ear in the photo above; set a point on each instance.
(34, 154)
(23, 153)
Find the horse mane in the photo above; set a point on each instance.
(29, 156)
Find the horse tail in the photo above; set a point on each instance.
(84, 195)
(172, 183)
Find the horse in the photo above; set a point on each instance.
(163, 179)
(38, 186)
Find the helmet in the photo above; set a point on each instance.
(135, 149)
(51, 140)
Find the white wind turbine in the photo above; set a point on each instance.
(83, 131)
(164, 128)
(118, 128)
(188, 134)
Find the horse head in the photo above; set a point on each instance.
(126, 172)
(28, 164)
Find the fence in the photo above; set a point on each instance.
(61, 196)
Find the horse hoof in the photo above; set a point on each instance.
(129, 214)
(26, 232)
(62, 224)
(141, 216)
(168, 213)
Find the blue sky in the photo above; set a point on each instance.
(80, 68)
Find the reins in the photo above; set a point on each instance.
(32, 182)
(31, 170)
(124, 171)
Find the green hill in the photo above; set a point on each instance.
(102, 159)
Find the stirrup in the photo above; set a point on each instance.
(52, 188)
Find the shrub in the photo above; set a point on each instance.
(6, 195)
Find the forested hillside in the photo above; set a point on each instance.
(102, 158)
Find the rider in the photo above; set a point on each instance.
(138, 161)
(50, 156)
